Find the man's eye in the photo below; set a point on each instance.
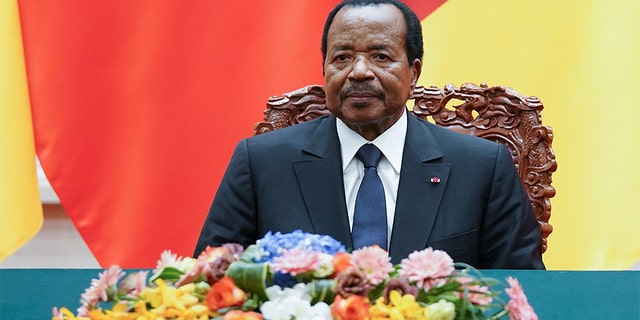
(342, 57)
(381, 56)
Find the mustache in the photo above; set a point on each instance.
(365, 87)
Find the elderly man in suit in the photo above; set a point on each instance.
(428, 187)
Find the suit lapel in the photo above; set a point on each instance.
(418, 197)
(319, 174)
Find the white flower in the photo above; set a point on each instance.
(319, 311)
(326, 266)
(186, 264)
(442, 310)
(293, 303)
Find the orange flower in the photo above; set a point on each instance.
(352, 308)
(210, 254)
(341, 262)
(224, 293)
(242, 315)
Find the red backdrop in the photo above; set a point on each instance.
(137, 106)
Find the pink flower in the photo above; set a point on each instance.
(374, 261)
(134, 283)
(297, 260)
(427, 268)
(402, 286)
(478, 295)
(518, 307)
(57, 315)
(167, 259)
(98, 290)
(352, 281)
(83, 311)
(212, 263)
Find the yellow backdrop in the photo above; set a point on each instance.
(581, 59)
(20, 208)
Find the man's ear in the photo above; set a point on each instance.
(416, 69)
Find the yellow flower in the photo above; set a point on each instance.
(97, 315)
(66, 314)
(399, 308)
(120, 311)
(171, 303)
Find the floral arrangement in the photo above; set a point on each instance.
(300, 276)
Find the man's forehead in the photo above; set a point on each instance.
(375, 23)
(375, 13)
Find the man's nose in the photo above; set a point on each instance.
(361, 69)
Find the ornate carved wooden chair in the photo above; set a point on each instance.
(496, 113)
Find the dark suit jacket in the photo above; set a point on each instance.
(292, 179)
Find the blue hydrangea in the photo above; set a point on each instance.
(273, 244)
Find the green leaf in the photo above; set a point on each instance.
(168, 274)
(250, 277)
(250, 254)
(322, 291)
(377, 291)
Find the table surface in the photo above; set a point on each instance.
(32, 293)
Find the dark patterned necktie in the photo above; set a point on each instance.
(370, 217)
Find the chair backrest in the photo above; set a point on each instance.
(496, 113)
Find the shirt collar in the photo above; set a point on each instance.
(390, 142)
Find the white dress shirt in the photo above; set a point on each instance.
(391, 143)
